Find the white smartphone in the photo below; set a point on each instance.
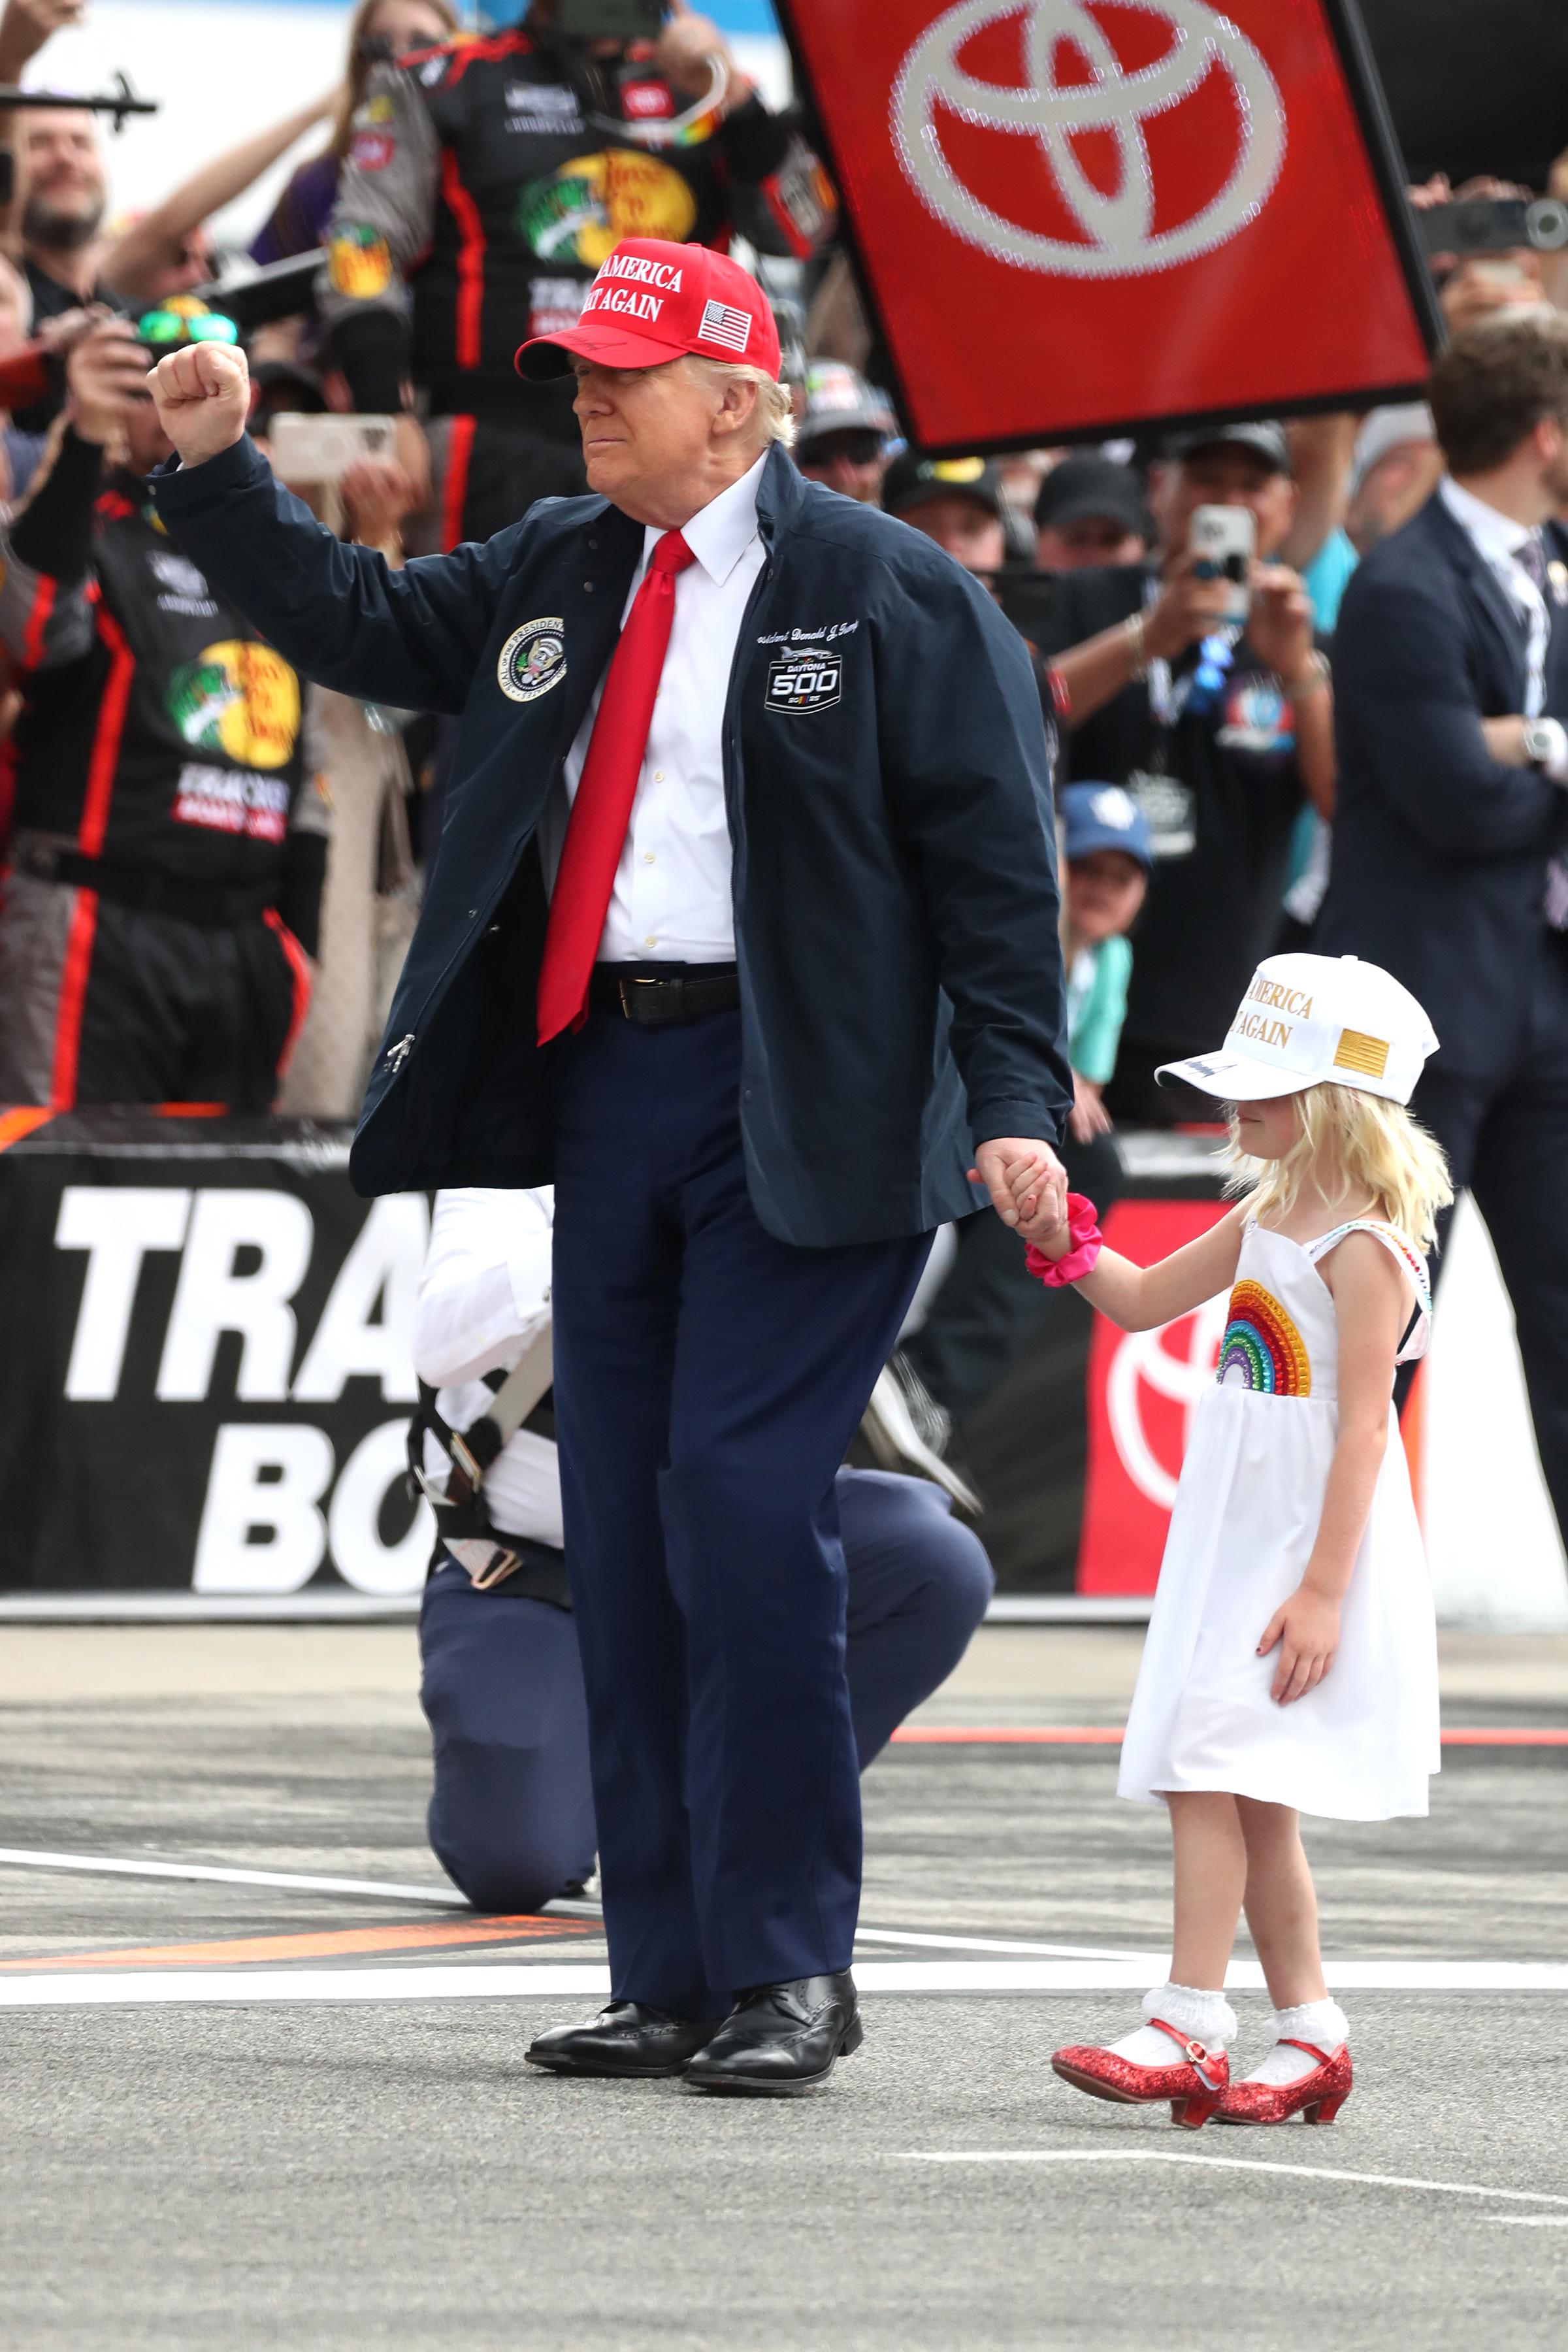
(322, 448)
(1224, 539)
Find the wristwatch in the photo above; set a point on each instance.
(1542, 742)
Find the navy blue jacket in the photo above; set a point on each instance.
(1440, 851)
(895, 881)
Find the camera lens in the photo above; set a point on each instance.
(1546, 223)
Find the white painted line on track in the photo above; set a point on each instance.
(197, 1986)
(1225, 2163)
(1531, 2220)
(993, 1944)
(29, 1858)
(508, 1981)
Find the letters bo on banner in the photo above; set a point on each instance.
(1071, 215)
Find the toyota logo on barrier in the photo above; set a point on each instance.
(1118, 232)
(1142, 1357)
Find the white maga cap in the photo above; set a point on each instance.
(1307, 1020)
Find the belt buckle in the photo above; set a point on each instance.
(639, 980)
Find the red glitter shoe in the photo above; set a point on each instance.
(1194, 2088)
(1318, 2096)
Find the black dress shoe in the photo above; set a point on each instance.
(627, 2039)
(780, 2039)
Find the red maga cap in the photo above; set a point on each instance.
(652, 301)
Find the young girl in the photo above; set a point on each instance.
(1291, 1659)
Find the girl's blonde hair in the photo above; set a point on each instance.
(1355, 1142)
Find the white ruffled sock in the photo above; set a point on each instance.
(1322, 2023)
(1205, 2017)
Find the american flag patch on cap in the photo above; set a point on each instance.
(723, 324)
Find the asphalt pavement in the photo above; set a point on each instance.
(378, 2168)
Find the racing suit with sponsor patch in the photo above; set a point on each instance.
(165, 866)
(485, 183)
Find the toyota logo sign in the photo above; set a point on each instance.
(1117, 222)
(1072, 216)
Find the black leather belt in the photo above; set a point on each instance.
(656, 1000)
(211, 907)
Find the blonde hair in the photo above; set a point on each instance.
(1354, 1142)
(774, 404)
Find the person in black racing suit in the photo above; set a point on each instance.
(167, 852)
(486, 182)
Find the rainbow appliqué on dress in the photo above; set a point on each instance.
(1262, 1342)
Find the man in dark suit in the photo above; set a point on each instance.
(1451, 686)
(742, 928)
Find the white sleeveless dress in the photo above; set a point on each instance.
(1361, 1745)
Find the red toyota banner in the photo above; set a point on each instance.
(1073, 216)
(1143, 1389)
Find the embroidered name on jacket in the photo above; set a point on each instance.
(532, 660)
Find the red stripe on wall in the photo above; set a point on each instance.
(471, 261)
(455, 487)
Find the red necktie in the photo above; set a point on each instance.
(596, 830)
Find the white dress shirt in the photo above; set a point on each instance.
(672, 901)
(1498, 539)
(484, 1296)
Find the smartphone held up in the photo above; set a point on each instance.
(1223, 541)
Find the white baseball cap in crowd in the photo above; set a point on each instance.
(1310, 1020)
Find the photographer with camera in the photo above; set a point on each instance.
(1204, 695)
(487, 179)
(165, 866)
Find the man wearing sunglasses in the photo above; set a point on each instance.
(846, 433)
(166, 864)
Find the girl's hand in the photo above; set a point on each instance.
(1056, 1243)
(1307, 1631)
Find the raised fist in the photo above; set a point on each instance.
(204, 398)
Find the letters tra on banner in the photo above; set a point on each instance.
(1077, 216)
(210, 1369)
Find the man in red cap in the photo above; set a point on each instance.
(743, 930)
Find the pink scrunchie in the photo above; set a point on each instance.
(1083, 1224)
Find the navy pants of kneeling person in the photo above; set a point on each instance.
(511, 1819)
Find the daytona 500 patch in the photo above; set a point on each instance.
(808, 680)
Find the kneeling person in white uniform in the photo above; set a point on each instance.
(511, 1818)
(1291, 1660)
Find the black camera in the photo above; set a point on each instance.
(609, 20)
(1477, 225)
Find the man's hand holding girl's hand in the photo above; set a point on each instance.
(1307, 1631)
(1026, 1181)
(204, 399)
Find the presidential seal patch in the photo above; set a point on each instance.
(809, 679)
(532, 660)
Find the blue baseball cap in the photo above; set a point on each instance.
(1105, 816)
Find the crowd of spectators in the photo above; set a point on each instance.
(1195, 743)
